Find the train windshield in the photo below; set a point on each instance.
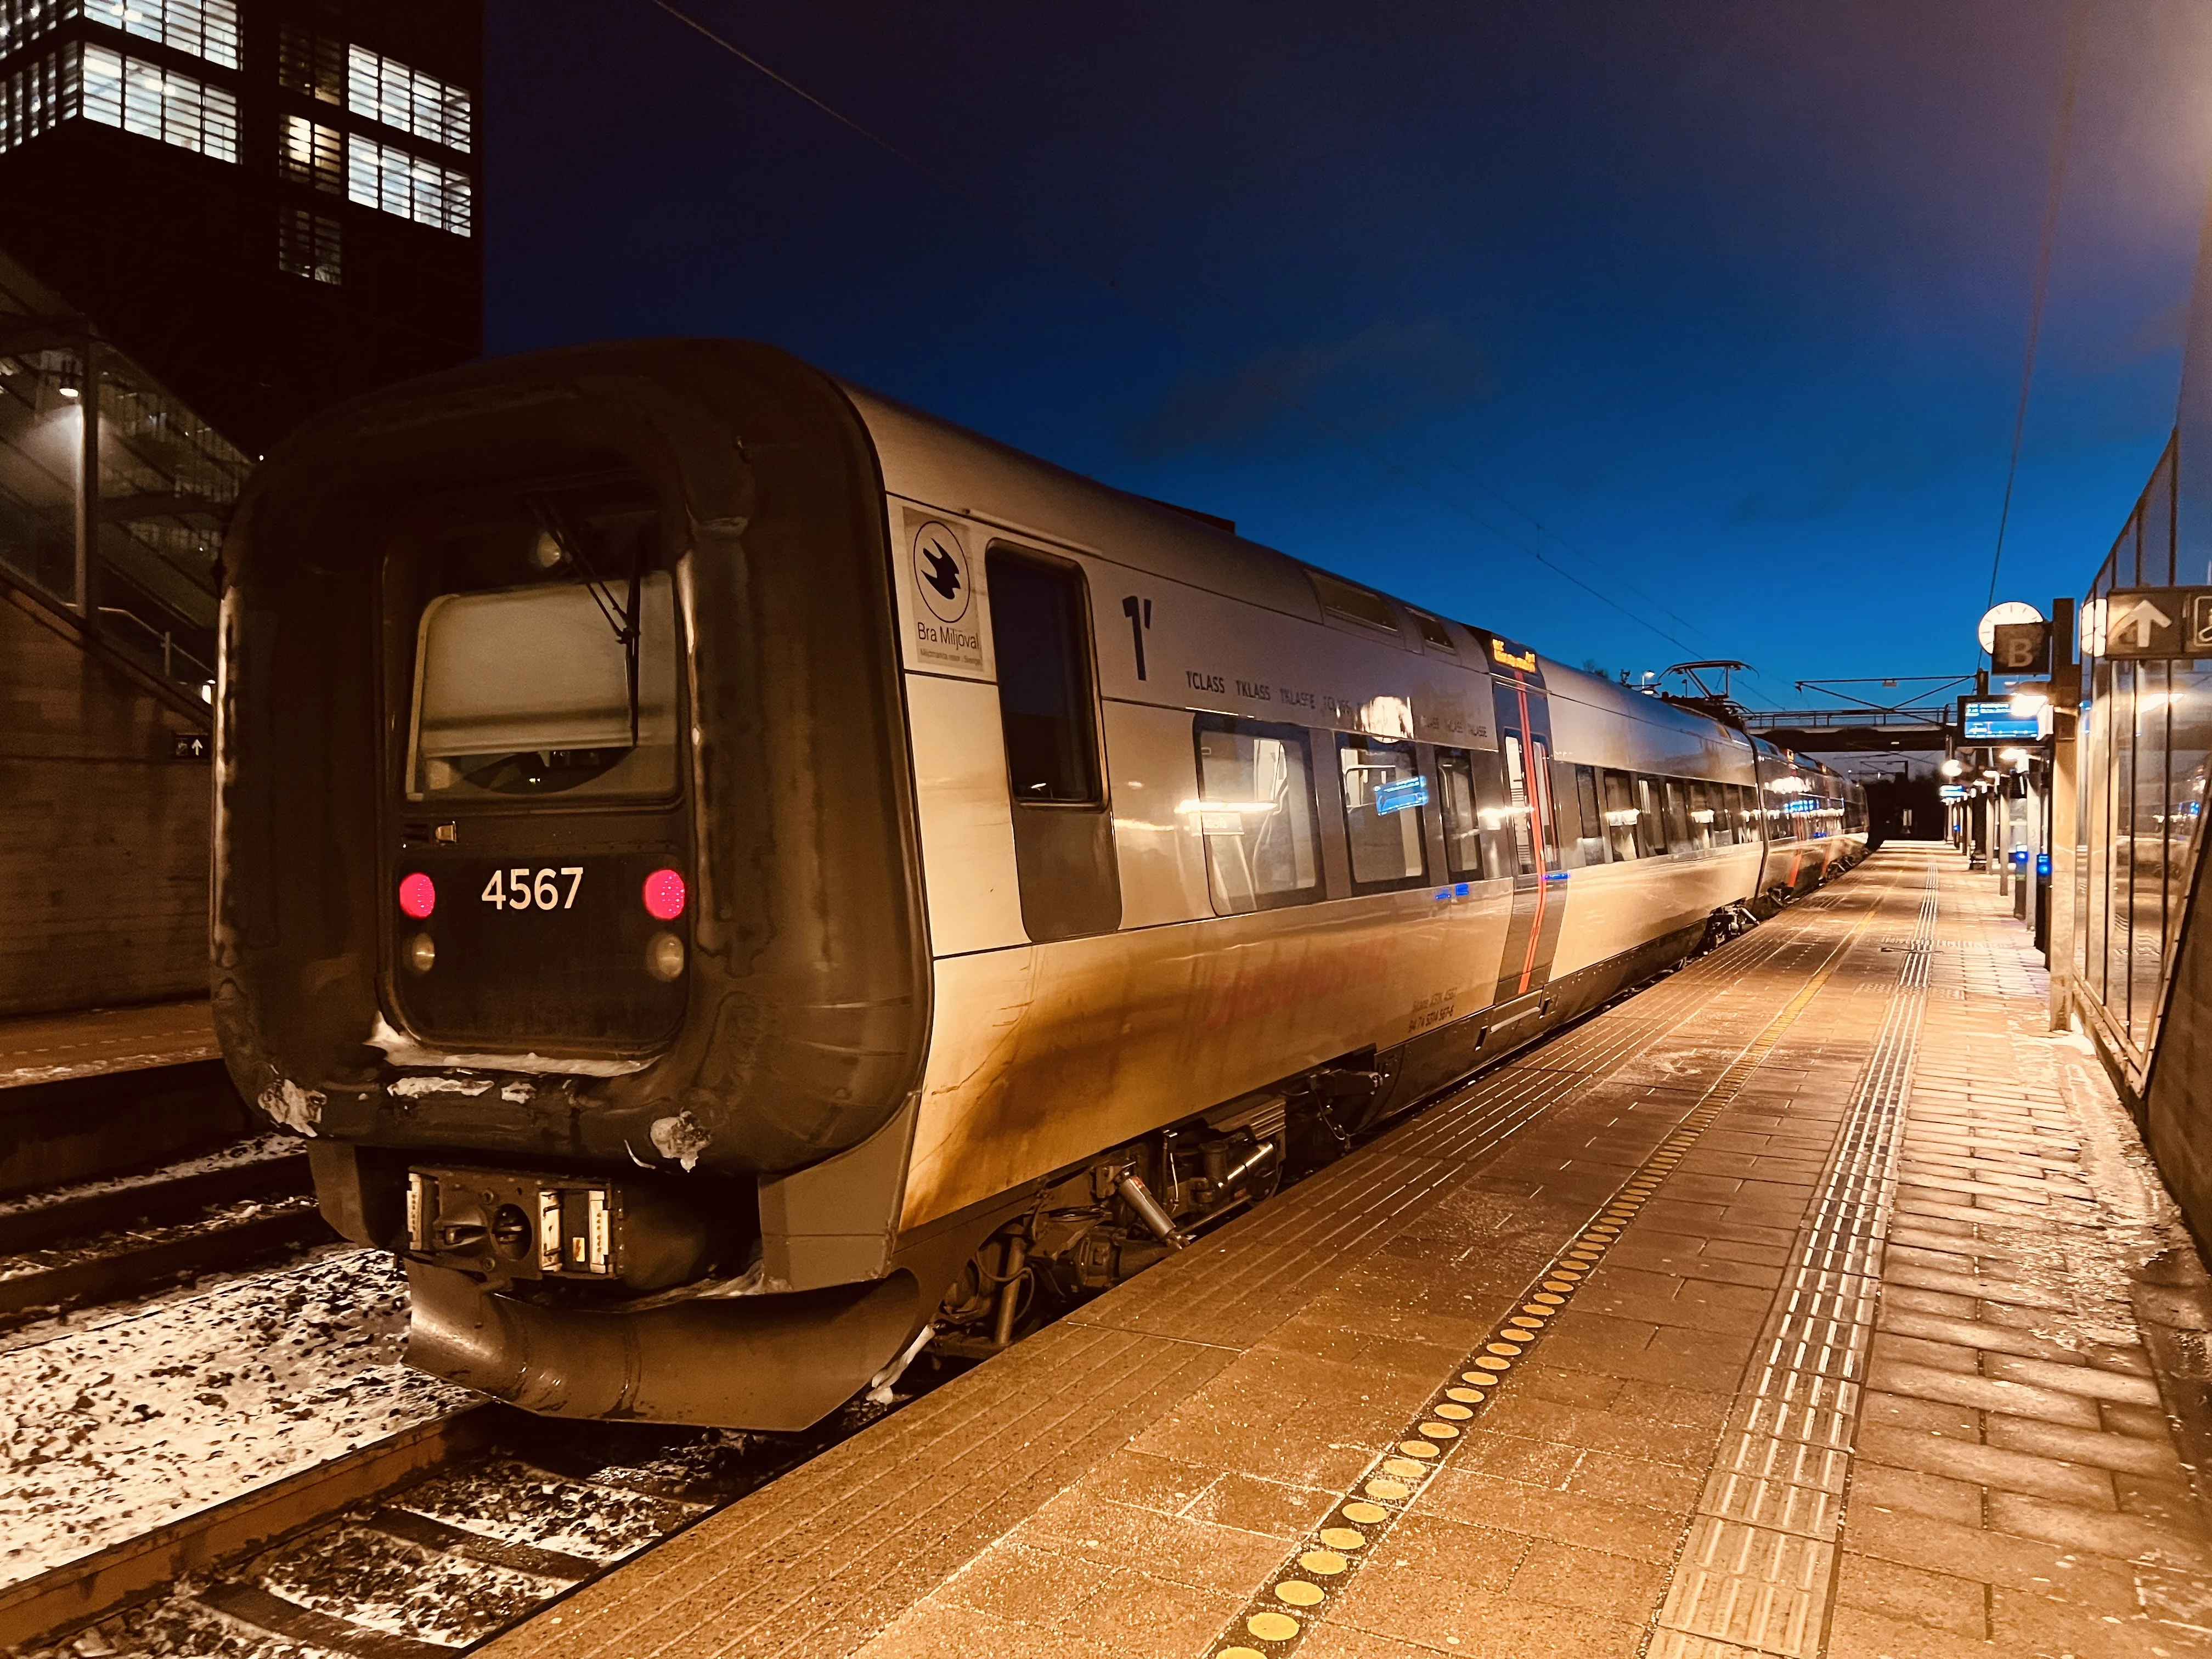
(528, 691)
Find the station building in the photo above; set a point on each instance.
(222, 215)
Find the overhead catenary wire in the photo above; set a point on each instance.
(1016, 227)
(2077, 31)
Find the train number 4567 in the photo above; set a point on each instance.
(519, 889)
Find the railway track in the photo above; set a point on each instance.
(109, 1240)
(415, 1548)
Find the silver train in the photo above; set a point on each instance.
(736, 877)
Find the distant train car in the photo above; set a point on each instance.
(736, 875)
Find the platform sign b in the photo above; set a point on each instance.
(2022, 648)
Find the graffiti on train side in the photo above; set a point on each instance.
(1258, 989)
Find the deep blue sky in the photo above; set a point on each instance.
(1720, 306)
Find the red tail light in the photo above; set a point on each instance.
(418, 896)
(663, 895)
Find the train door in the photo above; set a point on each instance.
(1064, 866)
(1532, 844)
(1782, 860)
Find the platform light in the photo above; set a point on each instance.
(1953, 767)
(2015, 754)
(2028, 703)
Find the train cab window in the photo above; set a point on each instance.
(1044, 698)
(1591, 844)
(1462, 825)
(564, 685)
(1621, 814)
(1384, 793)
(1256, 813)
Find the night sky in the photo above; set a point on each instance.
(1719, 307)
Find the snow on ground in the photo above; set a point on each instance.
(111, 1429)
(254, 1149)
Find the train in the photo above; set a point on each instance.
(736, 878)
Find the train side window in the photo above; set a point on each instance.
(1592, 839)
(1256, 812)
(1462, 825)
(1433, 632)
(1747, 813)
(1352, 602)
(1383, 794)
(1621, 814)
(1678, 817)
(1044, 702)
(1650, 817)
(1703, 837)
(1065, 865)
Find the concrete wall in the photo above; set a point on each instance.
(103, 835)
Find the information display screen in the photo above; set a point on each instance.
(1992, 721)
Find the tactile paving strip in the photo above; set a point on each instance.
(1322, 1565)
(1755, 1572)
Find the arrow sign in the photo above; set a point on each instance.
(2144, 616)
(2156, 622)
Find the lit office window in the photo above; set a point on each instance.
(22, 22)
(312, 154)
(36, 98)
(205, 29)
(385, 90)
(307, 245)
(378, 176)
(157, 103)
(313, 66)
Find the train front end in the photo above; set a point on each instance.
(566, 894)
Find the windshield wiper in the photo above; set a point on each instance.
(625, 619)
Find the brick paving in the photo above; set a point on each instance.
(1994, 1472)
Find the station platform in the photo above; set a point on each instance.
(89, 1095)
(57, 1047)
(1803, 1303)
